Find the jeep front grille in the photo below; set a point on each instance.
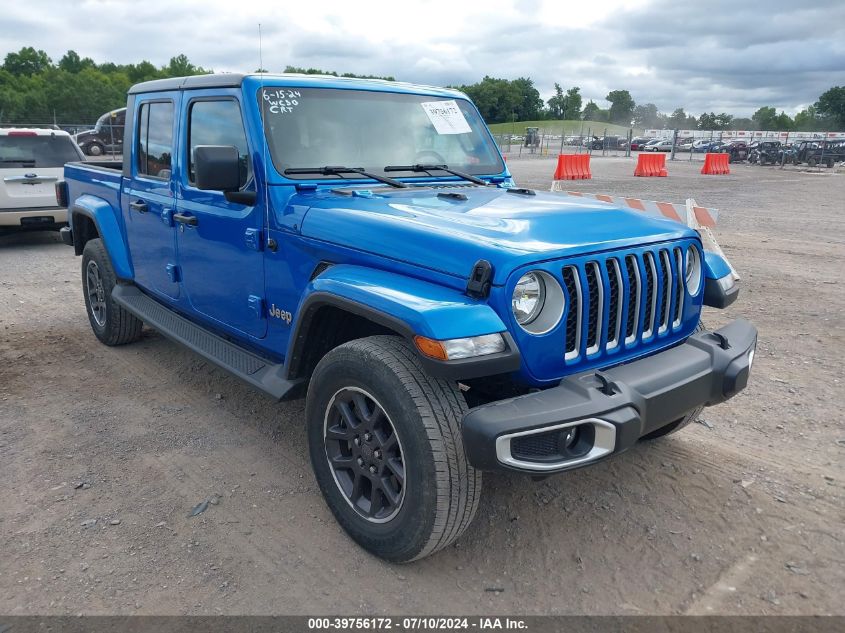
(618, 300)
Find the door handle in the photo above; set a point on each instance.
(181, 218)
(139, 205)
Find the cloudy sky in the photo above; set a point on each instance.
(719, 55)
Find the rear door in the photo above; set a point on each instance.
(220, 251)
(148, 200)
(30, 164)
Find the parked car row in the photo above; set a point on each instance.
(763, 152)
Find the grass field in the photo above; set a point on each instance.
(554, 127)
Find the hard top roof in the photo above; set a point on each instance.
(236, 80)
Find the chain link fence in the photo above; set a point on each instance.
(813, 149)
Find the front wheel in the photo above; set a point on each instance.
(386, 448)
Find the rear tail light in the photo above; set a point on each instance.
(20, 133)
(61, 193)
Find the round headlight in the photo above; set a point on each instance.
(692, 270)
(528, 298)
(538, 302)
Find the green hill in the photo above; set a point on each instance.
(554, 127)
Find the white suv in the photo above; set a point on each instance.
(31, 162)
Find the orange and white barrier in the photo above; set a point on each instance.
(651, 165)
(702, 216)
(716, 164)
(708, 240)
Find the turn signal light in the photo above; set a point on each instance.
(457, 348)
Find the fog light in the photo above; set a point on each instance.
(568, 438)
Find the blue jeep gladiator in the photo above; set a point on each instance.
(362, 243)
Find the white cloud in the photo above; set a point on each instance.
(718, 55)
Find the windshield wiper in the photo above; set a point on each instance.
(446, 168)
(330, 170)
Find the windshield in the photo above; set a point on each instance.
(315, 127)
(36, 151)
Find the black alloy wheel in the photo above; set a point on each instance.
(365, 454)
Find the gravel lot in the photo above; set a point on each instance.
(105, 451)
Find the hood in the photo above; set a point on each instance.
(449, 229)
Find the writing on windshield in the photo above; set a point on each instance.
(371, 130)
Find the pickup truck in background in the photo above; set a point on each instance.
(106, 136)
(31, 163)
(819, 152)
(362, 243)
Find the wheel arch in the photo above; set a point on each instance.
(91, 218)
(346, 302)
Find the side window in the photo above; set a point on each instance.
(155, 139)
(217, 123)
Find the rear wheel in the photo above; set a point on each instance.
(95, 149)
(386, 448)
(812, 162)
(829, 163)
(112, 324)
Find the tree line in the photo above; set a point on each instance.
(34, 89)
(503, 101)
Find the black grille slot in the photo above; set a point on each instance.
(594, 314)
(648, 326)
(613, 301)
(678, 289)
(633, 299)
(536, 445)
(573, 309)
(665, 296)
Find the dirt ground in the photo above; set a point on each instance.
(105, 451)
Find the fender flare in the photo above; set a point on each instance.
(105, 220)
(720, 289)
(715, 266)
(409, 307)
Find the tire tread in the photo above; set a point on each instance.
(441, 408)
(121, 327)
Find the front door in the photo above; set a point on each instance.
(220, 252)
(148, 199)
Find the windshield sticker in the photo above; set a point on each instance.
(281, 101)
(446, 117)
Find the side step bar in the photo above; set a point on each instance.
(257, 371)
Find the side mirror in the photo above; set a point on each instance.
(217, 167)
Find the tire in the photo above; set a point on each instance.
(439, 492)
(812, 162)
(112, 324)
(95, 149)
(829, 163)
(677, 425)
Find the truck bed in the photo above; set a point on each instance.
(100, 179)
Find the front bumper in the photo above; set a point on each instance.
(606, 412)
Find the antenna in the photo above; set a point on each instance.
(262, 113)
